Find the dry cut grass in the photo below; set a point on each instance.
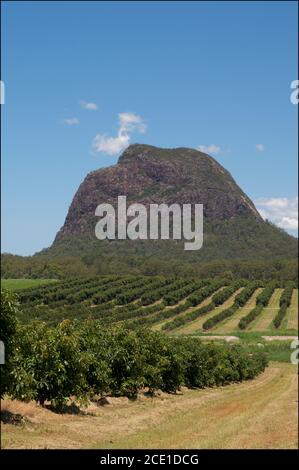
(261, 413)
(264, 320)
(196, 325)
(292, 314)
(231, 324)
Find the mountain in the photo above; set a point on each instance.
(147, 175)
(233, 228)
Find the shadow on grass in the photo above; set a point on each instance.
(7, 417)
(70, 409)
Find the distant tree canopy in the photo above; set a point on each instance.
(60, 267)
(35, 267)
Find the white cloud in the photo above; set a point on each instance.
(89, 106)
(282, 211)
(260, 147)
(128, 123)
(212, 148)
(71, 121)
(288, 223)
(110, 145)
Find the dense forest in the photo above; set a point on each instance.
(60, 267)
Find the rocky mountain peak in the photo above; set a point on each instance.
(148, 174)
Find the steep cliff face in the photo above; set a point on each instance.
(233, 229)
(147, 175)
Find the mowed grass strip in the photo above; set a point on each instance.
(264, 320)
(231, 324)
(196, 325)
(261, 413)
(292, 313)
(19, 284)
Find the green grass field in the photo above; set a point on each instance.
(19, 284)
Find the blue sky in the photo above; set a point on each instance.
(210, 74)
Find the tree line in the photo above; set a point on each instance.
(62, 267)
(85, 360)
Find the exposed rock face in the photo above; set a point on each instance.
(147, 174)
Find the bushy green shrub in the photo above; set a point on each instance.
(280, 315)
(153, 295)
(228, 312)
(284, 303)
(227, 292)
(8, 325)
(262, 301)
(138, 289)
(247, 292)
(84, 360)
(162, 314)
(48, 364)
(239, 301)
(286, 296)
(195, 298)
(173, 297)
(205, 292)
(252, 315)
(266, 294)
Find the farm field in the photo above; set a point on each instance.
(232, 323)
(173, 305)
(19, 284)
(261, 413)
(251, 405)
(159, 326)
(196, 325)
(263, 322)
(292, 317)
